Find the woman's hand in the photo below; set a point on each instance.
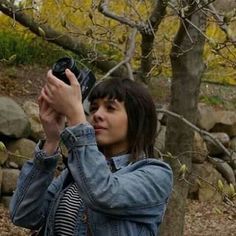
(53, 123)
(63, 98)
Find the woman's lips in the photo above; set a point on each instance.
(98, 129)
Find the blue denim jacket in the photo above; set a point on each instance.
(130, 201)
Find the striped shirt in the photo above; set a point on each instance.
(67, 211)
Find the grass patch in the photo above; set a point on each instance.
(212, 100)
(17, 49)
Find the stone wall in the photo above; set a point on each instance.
(211, 164)
(20, 130)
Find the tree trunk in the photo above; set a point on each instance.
(187, 67)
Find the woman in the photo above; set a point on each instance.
(111, 186)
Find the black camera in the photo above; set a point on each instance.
(85, 77)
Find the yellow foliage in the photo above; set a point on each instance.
(81, 18)
(219, 58)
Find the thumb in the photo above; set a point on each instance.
(71, 77)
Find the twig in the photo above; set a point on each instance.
(200, 131)
(128, 56)
(104, 9)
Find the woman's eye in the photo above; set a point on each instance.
(92, 109)
(110, 108)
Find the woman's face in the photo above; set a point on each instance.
(110, 122)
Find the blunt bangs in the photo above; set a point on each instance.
(110, 88)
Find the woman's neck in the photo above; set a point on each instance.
(115, 149)
(109, 154)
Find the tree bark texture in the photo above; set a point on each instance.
(187, 68)
(148, 38)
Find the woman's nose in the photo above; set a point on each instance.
(98, 115)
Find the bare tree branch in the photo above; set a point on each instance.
(104, 9)
(147, 29)
(61, 39)
(203, 133)
(128, 56)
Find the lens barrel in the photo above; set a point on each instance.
(61, 65)
(85, 77)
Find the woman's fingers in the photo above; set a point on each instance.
(48, 90)
(46, 94)
(53, 81)
(71, 77)
(44, 108)
(61, 97)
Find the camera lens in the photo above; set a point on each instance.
(61, 65)
(84, 77)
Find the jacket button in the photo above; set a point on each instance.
(84, 218)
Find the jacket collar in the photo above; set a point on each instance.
(118, 162)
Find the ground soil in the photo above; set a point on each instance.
(202, 219)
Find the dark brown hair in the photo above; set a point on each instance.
(140, 108)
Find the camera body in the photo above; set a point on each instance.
(85, 77)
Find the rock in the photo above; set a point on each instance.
(213, 149)
(9, 180)
(3, 156)
(233, 161)
(5, 200)
(12, 165)
(21, 150)
(216, 120)
(224, 6)
(1, 173)
(225, 122)
(225, 157)
(232, 144)
(205, 190)
(206, 118)
(200, 151)
(13, 120)
(32, 111)
(225, 169)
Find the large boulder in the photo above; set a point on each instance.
(204, 179)
(233, 161)
(9, 180)
(13, 120)
(206, 119)
(3, 156)
(200, 151)
(32, 111)
(21, 150)
(225, 169)
(225, 122)
(216, 120)
(232, 144)
(215, 150)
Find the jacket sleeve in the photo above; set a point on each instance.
(29, 203)
(146, 186)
